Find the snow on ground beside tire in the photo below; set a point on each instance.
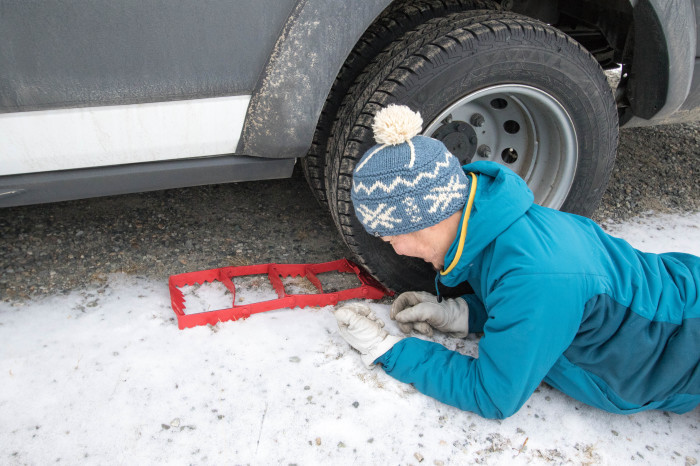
(104, 376)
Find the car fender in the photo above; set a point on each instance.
(289, 96)
(664, 59)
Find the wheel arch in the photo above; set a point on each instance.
(287, 101)
(662, 67)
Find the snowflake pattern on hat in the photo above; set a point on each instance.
(407, 182)
(380, 216)
(445, 194)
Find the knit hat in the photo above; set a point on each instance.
(406, 182)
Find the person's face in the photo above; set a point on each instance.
(416, 244)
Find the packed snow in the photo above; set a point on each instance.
(104, 376)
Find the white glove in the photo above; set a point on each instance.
(420, 311)
(363, 330)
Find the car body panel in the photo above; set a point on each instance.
(63, 185)
(87, 137)
(67, 54)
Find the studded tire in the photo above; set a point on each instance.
(442, 61)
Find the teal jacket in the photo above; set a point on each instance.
(558, 300)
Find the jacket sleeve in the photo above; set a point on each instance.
(477, 313)
(525, 333)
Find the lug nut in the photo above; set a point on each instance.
(477, 120)
(483, 150)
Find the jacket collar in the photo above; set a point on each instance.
(500, 198)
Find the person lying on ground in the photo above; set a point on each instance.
(557, 299)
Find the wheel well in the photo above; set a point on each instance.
(604, 28)
(600, 26)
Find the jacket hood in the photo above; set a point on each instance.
(501, 198)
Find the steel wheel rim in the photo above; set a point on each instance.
(526, 129)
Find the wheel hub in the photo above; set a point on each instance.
(460, 139)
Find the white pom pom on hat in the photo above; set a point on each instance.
(396, 124)
(393, 126)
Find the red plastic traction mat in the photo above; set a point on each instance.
(370, 289)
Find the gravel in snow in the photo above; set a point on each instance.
(102, 375)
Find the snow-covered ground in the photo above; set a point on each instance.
(104, 376)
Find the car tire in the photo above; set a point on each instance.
(548, 113)
(395, 21)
